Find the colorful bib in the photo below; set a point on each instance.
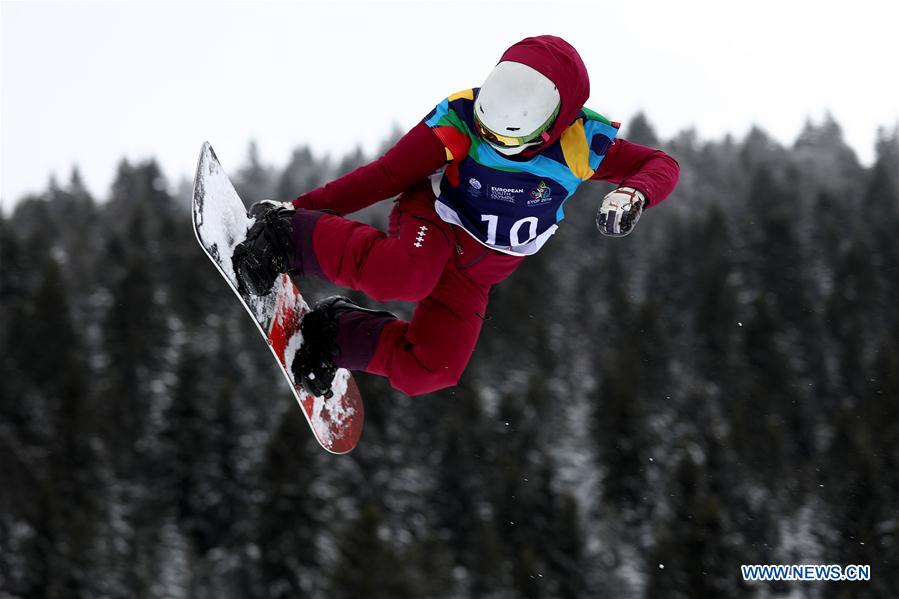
(511, 205)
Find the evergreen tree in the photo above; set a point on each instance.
(640, 131)
(254, 181)
(620, 405)
(290, 514)
(303, 173)
(824, 161)
(369, 566)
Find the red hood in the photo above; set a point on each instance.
(557, 60)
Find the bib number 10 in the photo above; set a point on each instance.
(514, 232)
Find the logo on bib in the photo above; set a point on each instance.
(474, 188)
(540, 194)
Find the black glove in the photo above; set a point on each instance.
(265, 253)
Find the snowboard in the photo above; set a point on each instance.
(220, 222)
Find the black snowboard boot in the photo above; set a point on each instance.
(266, 252)
(314, 364)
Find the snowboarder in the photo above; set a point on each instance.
(482, 181)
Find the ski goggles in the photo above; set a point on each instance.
(507, 141)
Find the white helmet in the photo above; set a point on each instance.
(515, 107)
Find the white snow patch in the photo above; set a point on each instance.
(340, 386)
(290, 351)
(329, 415)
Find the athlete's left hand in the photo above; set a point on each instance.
(620, 211)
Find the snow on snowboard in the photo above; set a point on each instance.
(220, 223)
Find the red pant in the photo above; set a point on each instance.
(421, 259)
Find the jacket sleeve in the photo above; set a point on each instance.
(651, 171)
(416, 155)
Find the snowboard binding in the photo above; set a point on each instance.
(265, 253)
(314, 365)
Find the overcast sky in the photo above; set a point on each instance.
(88, 83)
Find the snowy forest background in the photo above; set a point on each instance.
(641, 415)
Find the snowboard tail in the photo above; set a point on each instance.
(220, 223)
